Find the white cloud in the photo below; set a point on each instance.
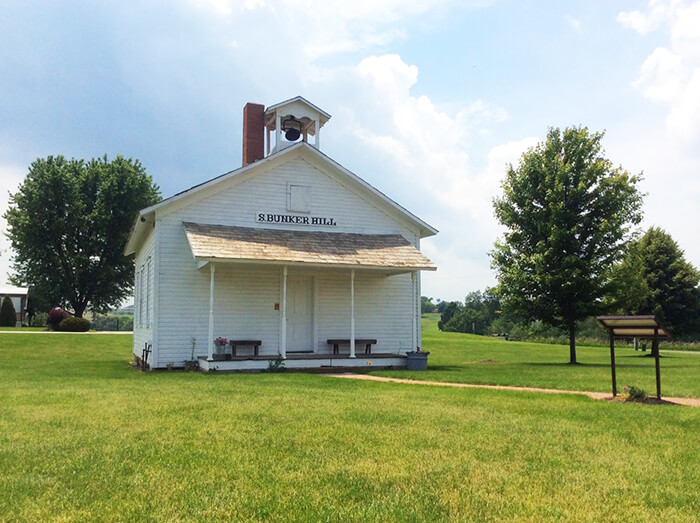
(574, 23)
(460, 250)
(670, 181)
(457, 274)
(327, 27)
(659, 12)
(418, 149)
(421, 152)
(662, 76)
(671, 75)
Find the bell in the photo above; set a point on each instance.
(292, 129)
(292, 135)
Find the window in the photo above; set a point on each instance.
(142, 291)
(148, 294)
(299, 198)
(137, 297)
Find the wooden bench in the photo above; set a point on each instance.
(358, 341)
(246, 343)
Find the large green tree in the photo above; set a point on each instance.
(654, 278)
(479, 311)
(426, 305)
(68, 224)
(568, 212)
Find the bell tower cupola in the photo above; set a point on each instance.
(291, 122)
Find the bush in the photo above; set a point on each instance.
(56, 316)
(637, 394)
(8, 315)
(74, 324)
(40, 319)
(191, 365)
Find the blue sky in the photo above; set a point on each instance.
(430, 98)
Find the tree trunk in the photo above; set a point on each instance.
(572, 343)
(654, 348)
(79, 309)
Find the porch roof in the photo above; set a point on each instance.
(230, 243)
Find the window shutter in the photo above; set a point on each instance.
(299, 198)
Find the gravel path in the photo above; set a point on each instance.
(690, 402)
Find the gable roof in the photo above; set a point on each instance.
(299, 99)
(146, 215)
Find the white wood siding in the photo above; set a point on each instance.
(267, 192)
(382, 309)
(245, 296)
(144, 292)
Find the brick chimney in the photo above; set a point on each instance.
(253, 133)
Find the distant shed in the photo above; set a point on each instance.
(18, 295)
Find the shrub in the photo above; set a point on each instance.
(40, 319)
(637, 394)
(191, 365)
(74, 324)
(56, 316)
(276, 365)
(8, 315)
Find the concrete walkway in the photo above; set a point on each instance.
(690, 402)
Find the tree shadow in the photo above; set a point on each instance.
(618, 364)
(583, 365)
(567, 364)
(445, 368)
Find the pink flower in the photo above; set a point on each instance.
(625, 387)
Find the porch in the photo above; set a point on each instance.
(305, 290)
(305, 361)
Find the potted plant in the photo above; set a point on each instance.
(417, 359)
(220, 346)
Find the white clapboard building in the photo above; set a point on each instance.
(291, 256)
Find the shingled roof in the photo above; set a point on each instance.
(386, 251)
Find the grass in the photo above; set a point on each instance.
(466, 358)
(83, 436)
(672, 344)
(23, 329)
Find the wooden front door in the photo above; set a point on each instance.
(300, 313)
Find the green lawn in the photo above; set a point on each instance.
(21, 329)
(466, 358)
(83, 436)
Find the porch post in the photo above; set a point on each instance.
(419, 311)
(612, 363)
(210, 338)
(317, 138)
(655, 348)
(413, 311)
(283, 331)
(352, 308)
